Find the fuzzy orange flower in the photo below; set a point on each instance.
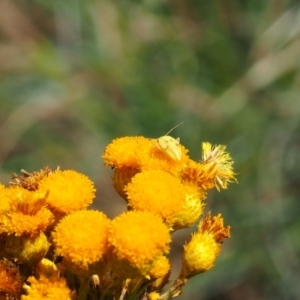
(138, 238)
(157, 192)
(68, 191)
(81, 238)
(27, 213)
(123, 152)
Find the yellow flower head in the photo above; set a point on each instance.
(157, 192)
(27, 213)
(81, 238)
(192, 208)
(215, 169)
(68, 191)
(222, 161)
(30, 181)
(10, 280)
(51, 288)
(139, 238)
(201, 252)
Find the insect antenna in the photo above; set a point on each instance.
(173, 128)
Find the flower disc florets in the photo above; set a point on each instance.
(68, 191)
(81, 238)
(138, 238)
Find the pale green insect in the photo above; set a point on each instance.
(169, 145)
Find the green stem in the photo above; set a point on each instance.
(84, 289)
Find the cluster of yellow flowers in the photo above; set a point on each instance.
(53, 247)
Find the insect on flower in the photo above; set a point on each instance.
(169, 145)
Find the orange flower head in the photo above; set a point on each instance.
(201, 252)
(81, 238)
(27, 213)
(139, 238)
(157, 192)
(68, 191)
(51, 288)
(123, 152)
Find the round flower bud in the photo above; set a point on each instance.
(26, 249)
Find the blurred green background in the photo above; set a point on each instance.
(76, 74)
